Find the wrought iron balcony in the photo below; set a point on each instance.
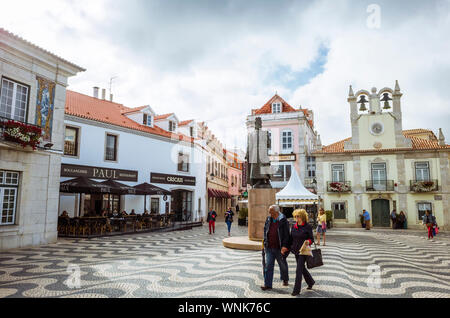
(380, 185)
(337, 187)
(424, 185)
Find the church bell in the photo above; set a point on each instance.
(362, 101)
(386, 100)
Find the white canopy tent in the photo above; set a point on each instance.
(295, 193)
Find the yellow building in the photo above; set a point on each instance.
(382, 166)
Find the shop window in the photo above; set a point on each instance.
(111, 202)
(154, 205)
(13, 100)
(339, 210)
(422, 207)
(9, 186)
(282, 172)
(71, 141)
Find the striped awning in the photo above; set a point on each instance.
(213, 193)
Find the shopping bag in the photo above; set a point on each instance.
(305, 249)
(316, 259)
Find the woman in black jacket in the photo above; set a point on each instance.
(301, 232)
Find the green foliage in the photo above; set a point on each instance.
(329, 215)
(243, 213)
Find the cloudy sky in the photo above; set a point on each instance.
(216, 60)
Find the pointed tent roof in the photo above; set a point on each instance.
(295, 191)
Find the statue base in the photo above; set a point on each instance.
(259, 201)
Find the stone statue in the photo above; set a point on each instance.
(259, 170)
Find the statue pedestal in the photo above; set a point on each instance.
(259, 201)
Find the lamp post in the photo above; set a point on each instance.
(317, 206)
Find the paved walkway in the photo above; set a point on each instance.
(358, 263)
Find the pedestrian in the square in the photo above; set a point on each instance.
(301, 232)
(401, 220)
(394, 219)
(429, 220)
(229, 219)
(321, 226)
(276, 246)
(212, 221)
(366, 216)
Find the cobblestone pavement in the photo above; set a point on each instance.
(195, 264)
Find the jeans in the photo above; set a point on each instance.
(302, 271)
(271, 255)
(229, 226)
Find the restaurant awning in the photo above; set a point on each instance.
(83, 185)
(218, 194)
(150, 189)
(119, 188)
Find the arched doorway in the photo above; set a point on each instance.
(380, 213)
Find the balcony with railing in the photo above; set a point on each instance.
(380, 185)
(19, 132)
(339, 187)
(424, 185)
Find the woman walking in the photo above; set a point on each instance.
(429, 221)
(322, 226)
(301, 232)
(229, 219)
(401, 220)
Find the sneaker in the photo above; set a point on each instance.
(264, 288)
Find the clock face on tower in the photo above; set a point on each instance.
(377, 128)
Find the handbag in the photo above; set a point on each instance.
(324, 225)
(316, 259)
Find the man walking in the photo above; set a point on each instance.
(212, 221)
(366, 216)
(276, 242)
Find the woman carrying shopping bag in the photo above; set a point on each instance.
(301, 233)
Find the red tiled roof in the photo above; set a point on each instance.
(186, 122)
(161, 117)
(104, 111)
(132, 110)
(267, 108)
(417, 144)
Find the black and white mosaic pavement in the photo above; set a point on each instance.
(193, 263)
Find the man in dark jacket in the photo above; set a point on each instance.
(276, 246)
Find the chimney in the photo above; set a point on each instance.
(110, 97)
(96, 91)
(103, 93)
(441, 138)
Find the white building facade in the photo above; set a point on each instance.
(33, 93)
(111, 141)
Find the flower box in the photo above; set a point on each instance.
(22, 133)
(339, 187)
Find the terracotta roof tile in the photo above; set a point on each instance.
(88, 107)
(267, 108)
(161, 117)
(186, 122)
(132, 110)
(417, 144)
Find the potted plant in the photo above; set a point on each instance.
(242, 219)
(329, 215)
(22, 133)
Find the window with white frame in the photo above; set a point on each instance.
(172, 126)
(311, 166)
(286, 140)
(282, 172)
(422, 207)
(338, 174)
(9, 185)
(422, 171)
(183, 162)
(147, 120)
(14, 100)
(276, 108)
